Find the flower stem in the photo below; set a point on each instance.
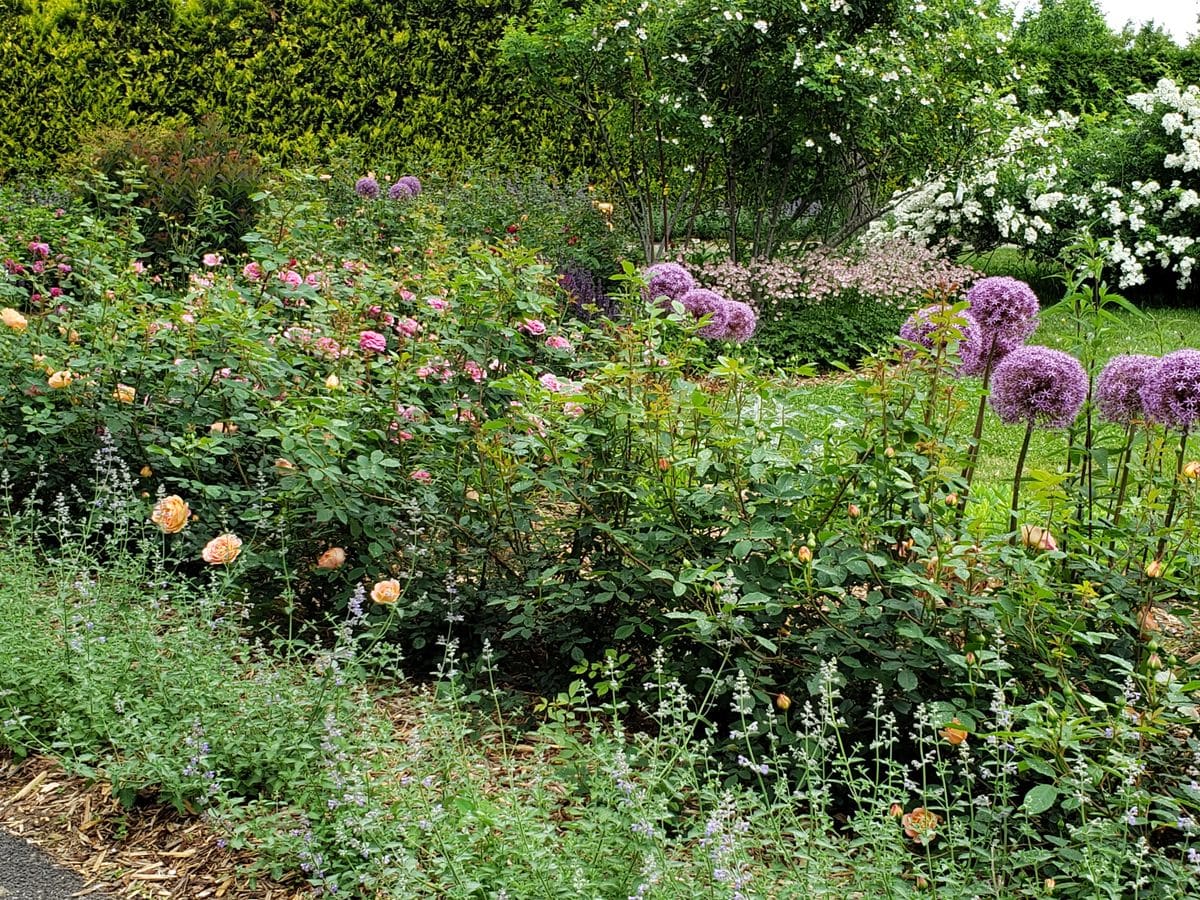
(1162, 542)
(1016, 493)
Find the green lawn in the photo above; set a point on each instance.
(823, 400)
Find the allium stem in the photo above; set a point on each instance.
(1162, 542)
(968, 473)
(1123, 461)
(1016, 493)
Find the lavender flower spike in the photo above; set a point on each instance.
(1039, 386)
(668, 279)
(1171, 394)
(1119, 387)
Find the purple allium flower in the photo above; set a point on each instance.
(367, 187)
(668, 279)
(740, 321)
(1171, 394)
(372, 342)
(1007, 312)
(405, 188)
(702, 302)
(923, 328)
(1040, 386)
(1119, 387)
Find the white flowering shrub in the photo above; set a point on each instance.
(1133, 184)
(792, 118)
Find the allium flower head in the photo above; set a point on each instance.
(668, 279)
(1171, 394)
(1119, 387)
(1007, 313)
(405, 188)
(702, 302)
(367, 187)
(1039, 386)
(925, 327)
(741, 321)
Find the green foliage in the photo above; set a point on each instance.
(415, 81)
(842, 330)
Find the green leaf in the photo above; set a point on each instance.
(1039, 799)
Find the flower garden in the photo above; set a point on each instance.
(429, 531)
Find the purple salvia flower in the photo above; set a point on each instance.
(668, 279)
(367, 187)
(740, 321)
(1119, 387)
(1039, 386)
(1171, 394)
(702, 302)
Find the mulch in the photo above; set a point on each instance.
(145, 852)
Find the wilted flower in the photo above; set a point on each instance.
(668, 279)
(333, 558)
(1119, 387)
(386, 593)
(701, 302)
(284, 465)
(1171, 394)
(61, 379)
(1191, 469)
(372, 342)
(367, 187)
(741, 321)
(13, 319)
(1154, 568)
(171, 514)
(124, 394)
(222, 550)
(1039, 386)
(1035, 537)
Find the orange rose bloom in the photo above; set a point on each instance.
(387, 592)
(331, 558)
(920, 824)
(124, 394)
(171, 514)
(62, 379)
(222, 550)
(954, 733)
(13, 319)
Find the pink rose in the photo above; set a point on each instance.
(422, 476)
(532, 326)
(253, 271)
(290, 278)
(550, 383)
(408, 327)
(558, 342)
(372, 342)
(212, 260)
(438, 303)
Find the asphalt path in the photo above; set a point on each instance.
(26, 873)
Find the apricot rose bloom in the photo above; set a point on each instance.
(331, 558)
(171, 514)
(61, 379)
(387, 592)
(920, 825)
(222, 550)
(13, 319)
(124, 394)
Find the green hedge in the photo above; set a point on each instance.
(414, 82)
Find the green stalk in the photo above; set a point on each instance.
(1016, 492)
(1162, 542)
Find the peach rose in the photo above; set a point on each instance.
(222, 550)
(223, 428)
(387, 592)
(954, 733)
(124, 394)
(13, 319)
(1191, 469)
(171, 514)
(331, 558)
(61, 379)
(333, 382)
(920, 824)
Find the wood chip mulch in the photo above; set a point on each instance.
(146, 852)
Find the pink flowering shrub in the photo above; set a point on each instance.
(836, 305)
